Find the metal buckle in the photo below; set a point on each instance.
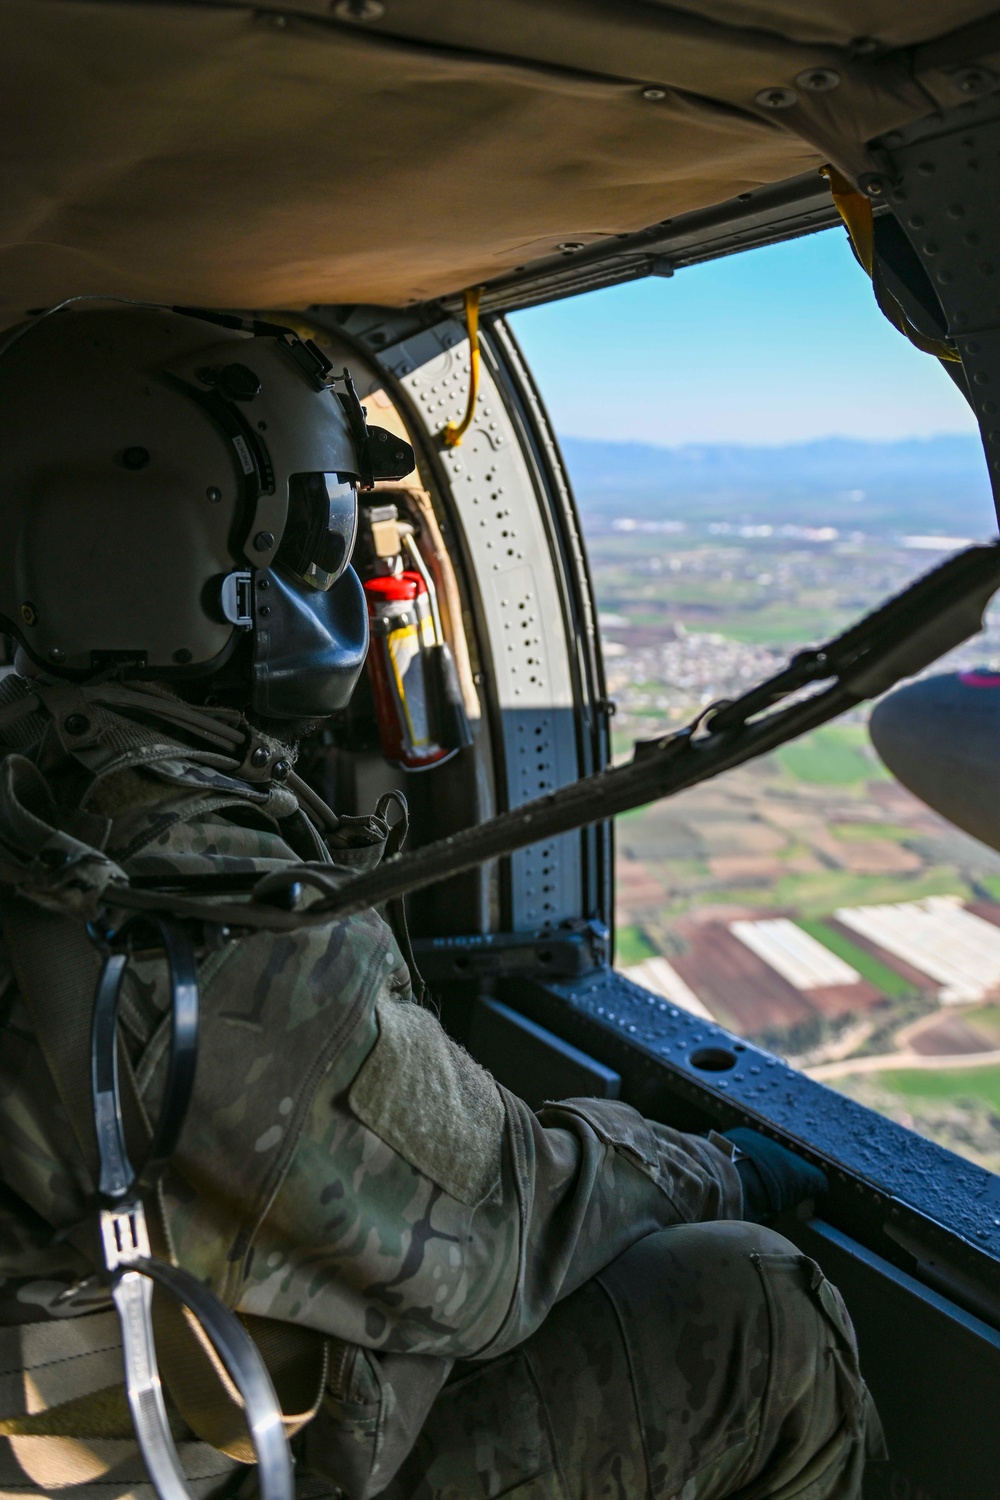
(124, 1236)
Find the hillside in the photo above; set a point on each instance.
(935, 484)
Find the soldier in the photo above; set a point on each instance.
(455, 1296)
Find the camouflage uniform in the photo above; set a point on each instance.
(348, 1175)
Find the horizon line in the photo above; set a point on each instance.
(833, 437)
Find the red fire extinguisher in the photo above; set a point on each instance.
(418, 701)
(416, 695)
(401, 628)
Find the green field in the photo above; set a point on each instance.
(772, 625)
(817, 895)
(836, 755)
(860, 833)
(878, 974)
(987, 1020)
(982, 1084)
(632, 946)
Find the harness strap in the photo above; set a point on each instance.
(395, 910)
(296, 1359)
(57, 971)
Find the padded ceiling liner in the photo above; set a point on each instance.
(219, 154)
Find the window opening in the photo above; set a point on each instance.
(758, 458)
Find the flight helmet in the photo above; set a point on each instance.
(177, 486)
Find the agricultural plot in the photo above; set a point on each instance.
(938, 935)
(806, 900)
(718, 882)
(795, 954)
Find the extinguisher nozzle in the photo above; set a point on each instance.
(447, 720)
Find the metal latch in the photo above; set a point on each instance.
(236, 599)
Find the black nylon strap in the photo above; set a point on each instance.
(57, 969)
(124, 1236)
(117, 1178)
(395, 910)
(897, 640)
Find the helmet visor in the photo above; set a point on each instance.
(319, 534)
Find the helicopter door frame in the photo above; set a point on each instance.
(523, 564)
(592, 707)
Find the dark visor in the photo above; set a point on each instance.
(319, 534)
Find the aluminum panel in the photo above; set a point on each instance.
(515, 576)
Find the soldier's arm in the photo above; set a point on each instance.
(592, 1176)
(427, 1210)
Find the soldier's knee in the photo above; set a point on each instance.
(766, 1314)
(722, 1239)
(719, 1260)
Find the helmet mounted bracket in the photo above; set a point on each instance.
(381, 454)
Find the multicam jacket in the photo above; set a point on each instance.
(346, 1168)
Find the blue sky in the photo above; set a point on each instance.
(772, 346)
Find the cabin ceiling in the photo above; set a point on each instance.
(340, 151)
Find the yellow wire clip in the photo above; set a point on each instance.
(453, 434)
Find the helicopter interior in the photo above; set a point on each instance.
(354, 168)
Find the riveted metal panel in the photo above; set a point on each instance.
(905, 1197)
(515, 575)
(541, 755)
(592, 715)
(943, 182)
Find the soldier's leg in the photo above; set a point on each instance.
(710, 1360)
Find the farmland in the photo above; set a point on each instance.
(811, 835)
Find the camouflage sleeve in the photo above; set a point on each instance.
(593, 1177)
(427, 1211)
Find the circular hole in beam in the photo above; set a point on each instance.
(713, 1059)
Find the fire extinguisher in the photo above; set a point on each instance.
(418, 701)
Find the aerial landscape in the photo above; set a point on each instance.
(806, 900)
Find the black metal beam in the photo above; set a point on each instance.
(919, 1206)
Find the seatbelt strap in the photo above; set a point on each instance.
(395, 910)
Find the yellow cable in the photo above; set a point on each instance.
(455, 431)
(856, 211)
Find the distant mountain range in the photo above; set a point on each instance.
(935, 484)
